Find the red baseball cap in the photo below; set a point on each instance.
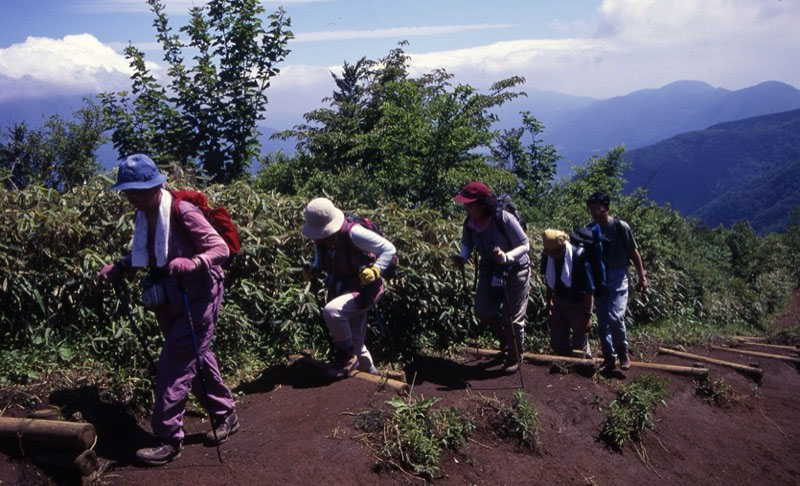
(472, 192)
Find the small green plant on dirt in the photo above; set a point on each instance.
(411, 434)
(715, 392)
(515, 419)
(629, 415)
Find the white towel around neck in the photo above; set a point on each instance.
(139, 254)
(566, 270)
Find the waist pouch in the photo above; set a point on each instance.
(154, 292)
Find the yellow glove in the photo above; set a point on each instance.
(369, 275)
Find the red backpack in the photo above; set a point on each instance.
(218, 217)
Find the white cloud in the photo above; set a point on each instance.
(298, 89)
(645, 43)
(394, 32)
(636, 44)
(76, 63)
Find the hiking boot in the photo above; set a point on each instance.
(607, 368)
(224, 428)
(510, 365)
(515, 347)
(160, 454)
(373, 370)
(344, 362)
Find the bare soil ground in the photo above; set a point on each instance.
(297, 428)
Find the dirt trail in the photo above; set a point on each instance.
(297, 429)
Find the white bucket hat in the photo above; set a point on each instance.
(322, 219)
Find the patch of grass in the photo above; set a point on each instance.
(789, 336)
(411, 434)
(715, 392)
(629, 415)
(686, 332)
(516, 419)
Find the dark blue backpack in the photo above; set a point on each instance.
(591, 239)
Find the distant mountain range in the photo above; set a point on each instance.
(746, 169)
(721, 154)
(650, 115)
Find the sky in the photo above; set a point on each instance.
(595, 48)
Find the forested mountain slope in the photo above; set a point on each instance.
(730, 164)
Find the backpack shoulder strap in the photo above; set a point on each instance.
(498, 220)
(621, 234)
(177, 216)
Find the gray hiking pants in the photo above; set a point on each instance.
(494, 306)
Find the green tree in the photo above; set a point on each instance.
(388, 136)
(58, 155)
(207, 113)
(534, 165)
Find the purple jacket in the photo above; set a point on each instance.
(198, 239)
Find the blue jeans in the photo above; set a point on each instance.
(610, 309)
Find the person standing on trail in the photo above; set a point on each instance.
(570, 289)
(182, 253)
(619, 246)
(354, 259)
(501, 294)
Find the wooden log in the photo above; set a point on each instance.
(546, 359)
(747, 370)
(377, 379)
(36, 433)
(759, 339)
(698, 371)
(782, 347)
(84, 463)
(781, 357)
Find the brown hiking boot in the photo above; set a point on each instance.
(224, 428)
(160, 454)
(345, 362)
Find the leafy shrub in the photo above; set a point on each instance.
(411, 435)
(54, 313)
(715, 392)
(629, 415)
(516, 419)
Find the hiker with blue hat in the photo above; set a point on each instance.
(183, 254)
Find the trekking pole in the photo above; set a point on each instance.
(199, 363)
(517, 344)
(378, 318)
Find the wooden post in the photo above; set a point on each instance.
(85, 463)
(791, 359)
(37, 433)
(791, 349)
(758, 339)
(546, 359)
(747, 370)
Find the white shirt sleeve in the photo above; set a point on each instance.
(517, 253)
(517, 235)
(371, 242)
